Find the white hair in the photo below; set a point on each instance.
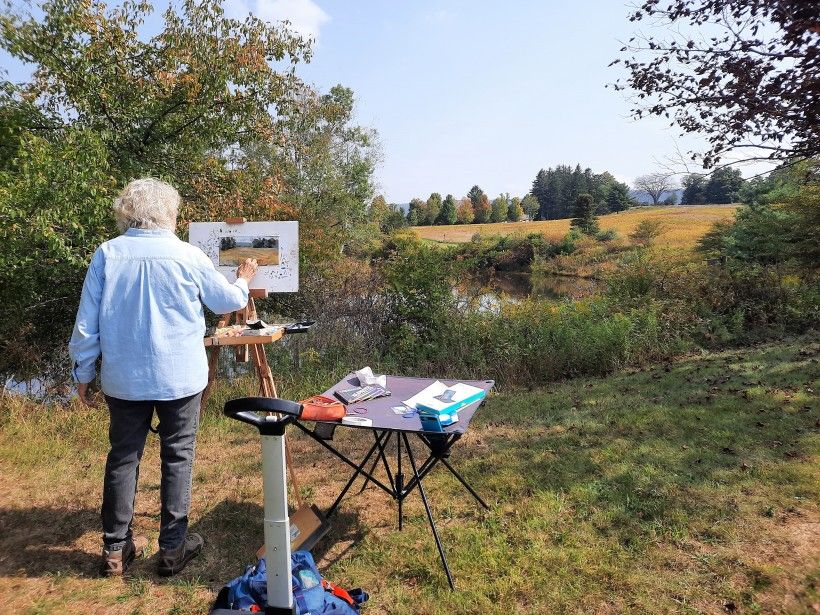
(147, 203)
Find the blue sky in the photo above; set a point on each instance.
(476, 92)
(484, 92)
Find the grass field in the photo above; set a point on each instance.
(691, 487)
(683, 225)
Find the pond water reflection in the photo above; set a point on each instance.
(490, 292)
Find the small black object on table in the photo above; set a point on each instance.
(386, 424)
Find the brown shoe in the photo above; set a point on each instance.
(172, 561)
(115, 563)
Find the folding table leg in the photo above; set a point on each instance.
(399, 476)
(358, 471)
(429, 513)
(464, 482)
(376, 462)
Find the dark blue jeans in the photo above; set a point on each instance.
(130, 420)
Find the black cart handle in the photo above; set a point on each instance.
(245, 408)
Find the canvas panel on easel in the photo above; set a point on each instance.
(275, 246)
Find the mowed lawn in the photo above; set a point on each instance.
(690, 487)
(683, 225)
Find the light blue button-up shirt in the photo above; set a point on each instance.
(141, 309)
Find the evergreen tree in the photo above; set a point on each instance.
(617, 198)
(585, 218)
(693, 189)
(475, 195)
(723, 186)
(447, 215)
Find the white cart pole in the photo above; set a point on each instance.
(277, 525)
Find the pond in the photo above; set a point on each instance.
(490, 292)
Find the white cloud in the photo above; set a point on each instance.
(305, 16)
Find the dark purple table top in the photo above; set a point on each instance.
(401, 388)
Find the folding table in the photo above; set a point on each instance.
(386, 424)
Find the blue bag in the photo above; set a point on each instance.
(313, 594)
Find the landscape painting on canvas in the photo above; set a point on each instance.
(274, 245)
(234, 250)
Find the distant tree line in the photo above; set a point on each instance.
(722, 186)
(556, 193)
(558, 189)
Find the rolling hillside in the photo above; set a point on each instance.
(683, 225)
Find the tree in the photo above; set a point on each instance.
(499, 208)
(378, 210)
(723, 186)
(647, 231)
(394, 219)
(159, 105)
(557, 190)
(448, 211)
(475, 195)
(433, 208)
(464, 211)
(585, 218)
(482, 209)
(654, 185)
(694, 189)
(617, 198)
(210, 104)
(530, 205)
(417, 212)
(741, 72)
(515, 210)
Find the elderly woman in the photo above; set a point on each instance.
(141, 309)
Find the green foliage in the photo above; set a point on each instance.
(530, 206)
(394, 220)
(722, 186)
(515, 211)
(418, 292)
(607, 235)
(432, 209)
(617, 197)
(647, 231)
(711, 303)
(159, 105)
(500, 208)
(557, 190)
(694, 189)
(784, 233)
(387, 217)
(54, 211)
(585, 217)
(210, 104)
(448, 214)
(417, 212)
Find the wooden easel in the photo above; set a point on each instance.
(246, 346)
